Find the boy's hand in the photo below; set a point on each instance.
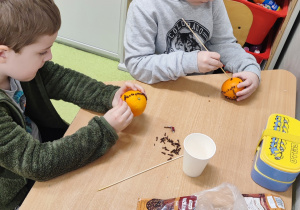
(250, 82)
(120, 116)
(208, 61)
(127, 86)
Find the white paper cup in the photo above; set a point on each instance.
(198, 149)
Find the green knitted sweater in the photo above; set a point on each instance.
(23, 158)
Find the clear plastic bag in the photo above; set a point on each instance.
(223, 197)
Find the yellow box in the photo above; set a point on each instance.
(277, 160)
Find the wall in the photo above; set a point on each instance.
(289, 58)
(94, 26)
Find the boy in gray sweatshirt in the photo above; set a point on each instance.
(160, 47)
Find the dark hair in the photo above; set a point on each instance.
(22, 22)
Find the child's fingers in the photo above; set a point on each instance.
(242, 92)
(240, 75)
(215, 55)
(215, 63)
(120, 111)
(128, 115)
(119, 105)
(120, 102)
(246, 92)
(130, 85)
(244, 84)
(240, 98)
(125, 114)
(140, 88)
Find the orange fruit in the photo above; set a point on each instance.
(136, 100)
(229, 87)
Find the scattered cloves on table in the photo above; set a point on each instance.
(167, 142)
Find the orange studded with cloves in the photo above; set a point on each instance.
(136, 100)
(229, 87)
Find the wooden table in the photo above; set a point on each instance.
(190, 104)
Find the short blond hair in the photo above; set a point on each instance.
(22, 22)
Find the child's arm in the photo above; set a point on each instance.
(120, 116)
(233, 56)
(250, 83)
(127, 86)
(71, 86)
(208, 61)
(89, 93)
(141, 59)
(20, 153)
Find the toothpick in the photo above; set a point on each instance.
(140, 173)
(201, 42)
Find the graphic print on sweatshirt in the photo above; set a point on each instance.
(181, 38)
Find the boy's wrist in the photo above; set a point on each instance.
(112, 97)
(253, 69)
(190, 62)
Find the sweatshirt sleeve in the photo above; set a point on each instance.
(27, 157)
(74, 87)
(233, 56)
(141, 60)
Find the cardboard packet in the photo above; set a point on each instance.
(264, 202)
(180, 203)
(253, 201)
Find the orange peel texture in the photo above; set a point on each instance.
(229, 88)
(136, 100)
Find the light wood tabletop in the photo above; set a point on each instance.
(191, 104)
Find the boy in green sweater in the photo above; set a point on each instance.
(32, 146)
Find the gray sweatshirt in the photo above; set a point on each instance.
(160, 47)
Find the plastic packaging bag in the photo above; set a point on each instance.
(223, 197)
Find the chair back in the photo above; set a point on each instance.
(241, 19)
